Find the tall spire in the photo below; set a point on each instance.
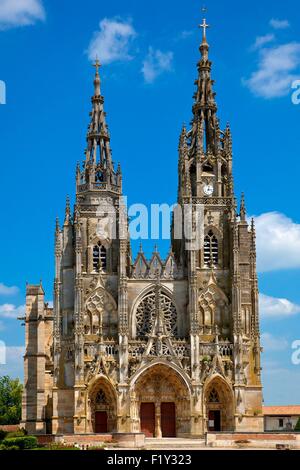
(205, 107)
(98, 138)
(99, 172)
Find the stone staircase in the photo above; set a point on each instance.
(168, 443)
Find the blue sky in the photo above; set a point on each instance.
(149, 55)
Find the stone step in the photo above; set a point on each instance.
(173, 443)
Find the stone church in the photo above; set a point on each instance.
(166, 347)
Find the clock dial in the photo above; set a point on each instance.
(208, 189)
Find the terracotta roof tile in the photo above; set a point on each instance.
(281, 410)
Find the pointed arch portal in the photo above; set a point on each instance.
(163, 402)
(219, 406)
(102, 407)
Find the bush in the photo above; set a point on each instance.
(2, 447)
(19, 433)
(297, 427)
(22, 443)
(2, 434)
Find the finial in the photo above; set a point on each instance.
(67, 211)
(57, 228)
(155, 248)
(141, 247)
(253, 229)
(97, 65)
(243, 209)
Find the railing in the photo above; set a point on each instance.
(225, 349)
(109, 348)
(101, 186)
(137, 350)
(212, 201)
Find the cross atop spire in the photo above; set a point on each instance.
(204, 26)
(97, 65)
(97, 83)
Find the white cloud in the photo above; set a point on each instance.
(279, 24)
(186, 34)
(273, 343)
(278, 242)
(262, 41)
(11, 311)
(15, 13)
(14, 362)
(112, 42)
(277, 308)
(277, 69)
(5, 290)
(155, 63)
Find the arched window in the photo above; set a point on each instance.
(211, 249)
(99, 257)
(213, 396)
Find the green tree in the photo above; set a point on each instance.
(297, 427)
(10, 400)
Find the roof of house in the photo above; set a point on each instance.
(281, 410)
(10, 427)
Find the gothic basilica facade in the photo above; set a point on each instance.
(166, 347)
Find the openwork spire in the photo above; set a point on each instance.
(205, 123)
(98, 139)
(99, 172)
(205, 150)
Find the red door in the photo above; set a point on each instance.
(148, 419)
(214, 420)
(168, 420)
(101, 422)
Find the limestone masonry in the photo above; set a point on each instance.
(167, 347)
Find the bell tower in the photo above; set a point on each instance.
(92, 247)
(221, 265)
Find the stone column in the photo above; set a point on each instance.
(158, 432)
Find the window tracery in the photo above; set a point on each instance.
(211, 249)
(146, 314)
(213, 396)
(101, 398)
(99, 257)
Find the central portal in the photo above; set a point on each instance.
(162, 403)
(158, 419)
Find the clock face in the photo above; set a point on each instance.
(208, 189)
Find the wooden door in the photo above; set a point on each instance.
(168, 420)
(147, 414)
(214, 420)
(101, 422)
